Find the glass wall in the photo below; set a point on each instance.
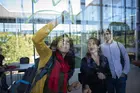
(16, 34)
(20, 19)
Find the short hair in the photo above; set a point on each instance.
(108, 30)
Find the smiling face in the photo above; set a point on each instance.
(63, 45)
(92, 46)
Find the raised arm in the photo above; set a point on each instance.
(38, 39)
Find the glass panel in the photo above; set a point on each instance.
(16, 39)
(128, 3)
(17, 23)
(92, 14)
(92, 2)
(107, 8)
(1, 27)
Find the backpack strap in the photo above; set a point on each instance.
(121, 57)
(23, 81)
(46, 69)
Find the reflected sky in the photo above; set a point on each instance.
(26, 5)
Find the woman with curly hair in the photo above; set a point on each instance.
(56, 80)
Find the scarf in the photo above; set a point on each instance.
(60, 65)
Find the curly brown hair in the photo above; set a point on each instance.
(70, 56)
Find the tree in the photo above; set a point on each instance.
(16, 46)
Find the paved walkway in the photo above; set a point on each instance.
(133, 82)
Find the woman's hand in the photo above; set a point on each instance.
(86, 91)
(69, 88)
(101, 75)
(74, 86)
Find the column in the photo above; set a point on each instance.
(83, 27)
(138, 30)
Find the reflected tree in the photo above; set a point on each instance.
(15, 46)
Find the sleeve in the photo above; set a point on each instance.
(38, 39)
(71, 72)
(1, 59)
(126, 59)
(106, 69)
(1, 69)
(71, 59)
(82, 67)
(82, 76)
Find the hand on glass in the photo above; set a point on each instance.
(101, 75)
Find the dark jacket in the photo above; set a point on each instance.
(1, 64)
(1, 59)
(89, 70)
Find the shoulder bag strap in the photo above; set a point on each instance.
(121, 57)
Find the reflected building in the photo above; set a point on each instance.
(90, 18)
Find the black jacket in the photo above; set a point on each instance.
(89, 70)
